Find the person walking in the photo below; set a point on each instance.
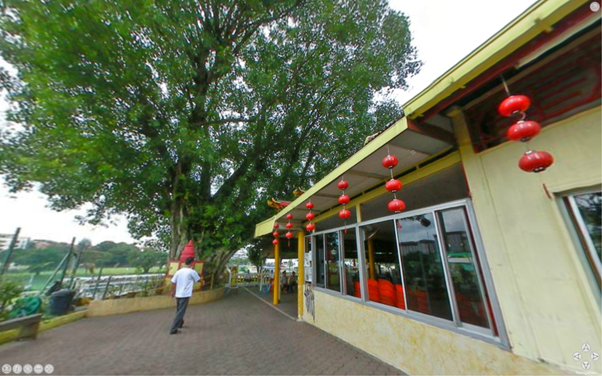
(183, 281)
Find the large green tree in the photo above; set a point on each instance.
(187, 115)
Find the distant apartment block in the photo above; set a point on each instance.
(5, 240)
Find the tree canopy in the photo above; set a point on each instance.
(187, 116)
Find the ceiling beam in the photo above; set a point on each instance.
(433, 131)
(367, 174)
(326, 195)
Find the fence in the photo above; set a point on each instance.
(115, 286)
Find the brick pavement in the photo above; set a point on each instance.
(238, 335)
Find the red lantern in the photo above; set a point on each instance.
(393, 185)
(309, 205)
(535, 161)
(275, 241)
(276, 225)
(390, 161)
(289, 235)
(513, 104)
(524, 130)
(397, 206)
(309, 216)
(343, 199)
(310, 227)
(289, 216)
(289, 225)
(343, 185)
(276, 234)
(344, 214)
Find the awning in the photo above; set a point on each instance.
(364, 170)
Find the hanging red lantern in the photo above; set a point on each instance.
(524, 130)
(393, 185)
(535, 161)
(275, 241)
(289, 216)
(289, 225)
(289, 235)
(276, 225)
(397, 206)
(343, 199)
(390, 161)
(309, 205)
(309, 216)
(514, 104)
(310, 227)
(343, 184)
(344, 214)
(276, 234)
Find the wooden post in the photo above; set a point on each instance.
(276, 299)
(11, 250)
(97, 283)
(68, 259)
(301, 271)
(107, 287)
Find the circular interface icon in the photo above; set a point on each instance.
(585, 347)
(17, 368)
(6, 368)
(586, 365)
(577, 356)
(49, 368)
(595, 356)
(38, 368)
(594, 6)
(28, 368)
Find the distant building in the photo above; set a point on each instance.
(5, 240)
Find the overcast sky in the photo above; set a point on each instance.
(443, 31)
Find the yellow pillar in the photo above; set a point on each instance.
(371, 259)
(301, 271)
(276, 274)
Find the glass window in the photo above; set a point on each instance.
(351, 273)
(308, 261)
(333, 256)
(424, 276)
(465, 272)
(382, 265)
(319, 248)
(586, 213)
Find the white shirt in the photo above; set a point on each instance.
(184, 280)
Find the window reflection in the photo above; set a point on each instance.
(425, 286)
(590, 209)
(351, 264)
(333, 278)
(319, 248)
(463, 269)
(382, 265)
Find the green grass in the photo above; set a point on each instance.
(39, 280)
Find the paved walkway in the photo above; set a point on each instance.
(238, 335)
(288, 302)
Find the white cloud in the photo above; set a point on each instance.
(444, 32)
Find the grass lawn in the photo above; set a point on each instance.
(39, 280)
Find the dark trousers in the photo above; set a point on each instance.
(182, 304)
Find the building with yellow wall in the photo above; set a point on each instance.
(489, 269)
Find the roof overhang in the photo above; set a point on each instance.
(411, 144)
(539, 18)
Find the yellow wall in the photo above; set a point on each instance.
(415, 347)
(548, 306)
(120, 306)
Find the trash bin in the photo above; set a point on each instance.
(60, 302)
